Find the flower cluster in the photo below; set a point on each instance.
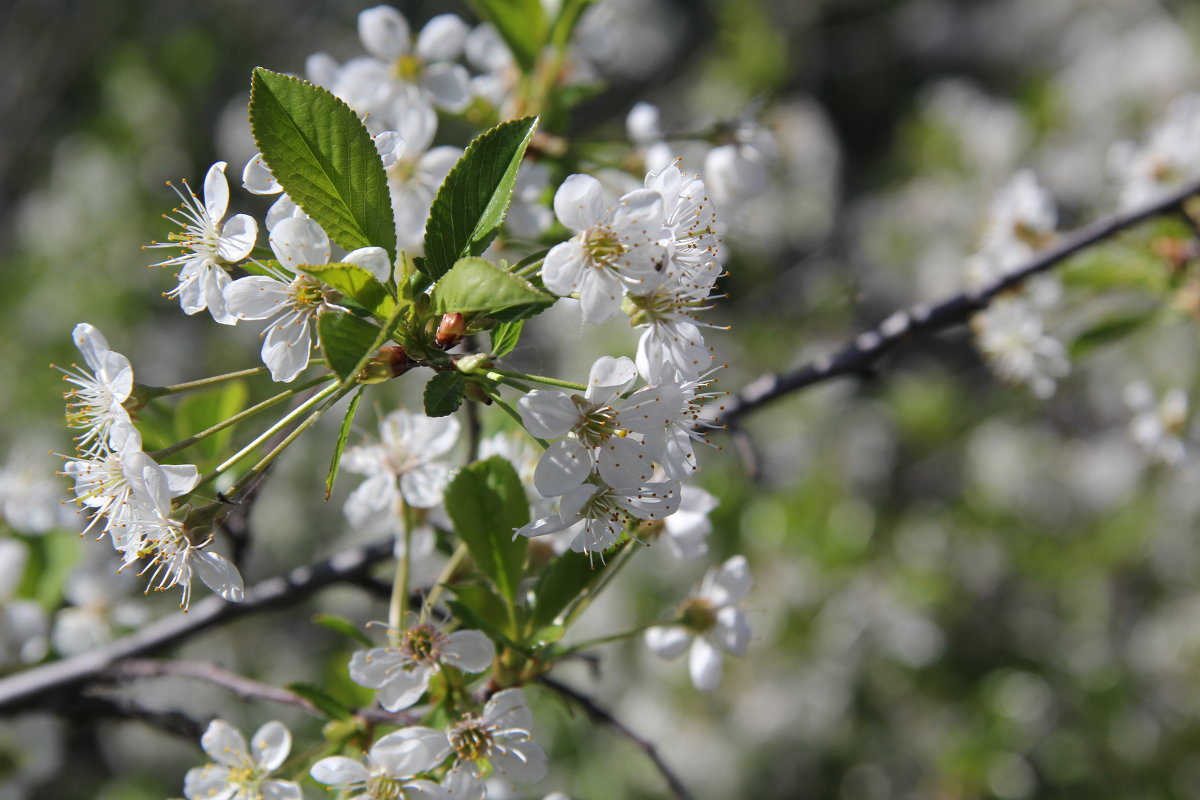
(124, 488)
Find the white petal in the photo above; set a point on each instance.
(275, 789)
(216, 191)
(563, 466)
(509, 709)
(449, 85)
(442, 38)
(469, 650)
(547, 414)
(213, 282)
(731, 583)
(401, 755)
(668, 641)
(321, 69)
(339, 771)
(610, 377)
(237, 239)
(220, 575)
(524, 762)
(638, 215)
(579, 202)
(624, 463)
(422, 487)
(600, 294)
(225, 744)
(286, 348)
(704, 665)
(210, 782)
(374, 260)
(563, 267)
(548, 524)
(404, 688)
(91, 343)
(270, 745)
(375, 667)
(384, 32)
(256, 297)
(732, 631)
(181, 478)
(299, 242)
(257, 177)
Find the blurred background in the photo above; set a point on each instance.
(960, 591)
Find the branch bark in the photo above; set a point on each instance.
(37, 687)
(859, 355)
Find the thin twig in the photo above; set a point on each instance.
(858, 356)
(37, 687)
(678, 790)
(243, 687)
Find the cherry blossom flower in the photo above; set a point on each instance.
(404, 465)
(685, 533)
(207, 245)
(1169, 157)
(599, 424)
(1158, 426)
(710, 621)
(606, 512)
(242, 772)
(613, 247)
(389, 771)
(23, 622)
(402, 672)
(1011, 335)
(97, 405)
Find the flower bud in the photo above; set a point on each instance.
(450, 330)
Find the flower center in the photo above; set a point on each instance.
(244, 777)
(603, 246)
(306, 292)
(471, 739)
(384, 787)
(407, 67)
(422, 644)
(698, 614)
(596, 423)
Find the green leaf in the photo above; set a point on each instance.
(471, 204)
(204, 409)
(345, 339)
(569, 14)
(562, 581)
(343, 435)
(344, 627)
(1111, 330)
(475, 284)
(522, 25)
(444, 394)
(326, 703)
(505, 337)
(480, 607)
(487, 503)
(358, 285)
(323, 156)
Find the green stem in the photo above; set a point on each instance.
(585, 599)
(203, 382)
(616, 637)
(158, 455)
(399, 600)
(443, 578)
(496, 371)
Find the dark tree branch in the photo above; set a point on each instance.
(859, 356)
(678, 790)
(37, 687)
(243, 687)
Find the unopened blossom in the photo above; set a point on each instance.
(401, 672)
(599, 425)
(614, 248)
(1011, 335)
(388, 771)
(606, 513)
(406, 464)
(97, 404)
(709, 621)
(208, 245)
(241, 772)
(1158, 426)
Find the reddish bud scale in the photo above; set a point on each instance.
(450, 330)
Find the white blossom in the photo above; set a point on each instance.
(207, 245)
(389, 771)
(1158, 426)
(709, 621)
(501, 737)
(1011, 335)
(1170, 156)
(97, 404)
(241, 772)
(402, 672)
(606, 513)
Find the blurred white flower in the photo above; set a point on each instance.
(23, 622)
(1011, 335)
(708, 620)
(1158, 426)
(242, 772)
(1170, 156)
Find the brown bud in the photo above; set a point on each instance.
(390, 362)
(450, 330)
